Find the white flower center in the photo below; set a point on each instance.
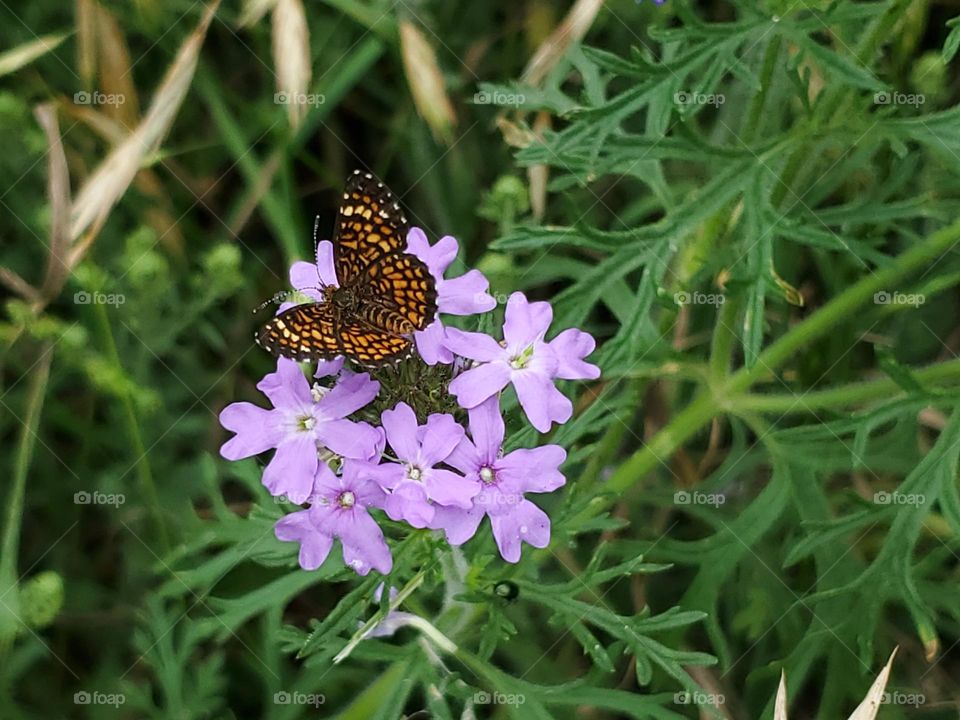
(307, 422)
(488, 475)
(347, 499)
(414, 473)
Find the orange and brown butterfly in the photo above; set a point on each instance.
(384, 294)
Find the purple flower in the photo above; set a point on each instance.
(416, 485)
(338, 510)
(525, 360)
(503, 480)
(302, 421)
(464, 295)
(311, 278)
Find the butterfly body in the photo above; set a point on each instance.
(384, 294)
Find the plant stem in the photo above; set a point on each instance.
(10, 548)
(723, 396)
(144, 473)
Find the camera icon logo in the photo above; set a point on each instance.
(281, 698)
(681, 298)
(681, 497)
(681, 698)
(681, 97)
(482, 98)
(81, 498)
(481, 697)
(81, 698)
(881, 98)
(881, 298)
(82, 98)
(882, 497)
(281, 98)
(82, 297)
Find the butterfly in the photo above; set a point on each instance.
(384, 294)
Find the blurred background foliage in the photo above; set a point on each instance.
(622, 159)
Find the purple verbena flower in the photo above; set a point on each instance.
(524, 359)
(503, 480)
(303, 421)
(467, 294)
(415, 484)
(339, 511)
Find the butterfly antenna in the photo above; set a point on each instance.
(275, 300)
(316, 229)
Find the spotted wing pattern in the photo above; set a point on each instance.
(404, 292)
(370, 346)
(384, 294)
(370, 225)
(304, 332)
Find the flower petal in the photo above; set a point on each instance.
(570, 347)
(408, 502)
(527, 523)
(475, 346)
(287, 388)
(458, 525)
(438, 257)
(351, 393)
(465, 457)
(438, 438)
(540, 400)
(401, 427)
(293, 467)
(535, 469)
(465, 295)
(364, 547)
(431, 344)
(357, 440)
(474, 386)
(306, 279)
(314, 545)
(446, 487)
(487, 429)
(256, 430)
(325, 266)
(525, 322)
(326, 368)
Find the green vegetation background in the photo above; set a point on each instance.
(634, 163)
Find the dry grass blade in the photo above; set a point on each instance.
(291, 57)
(87, 12)
(780, 706)
(21, 55)
(426, 82)
(253, 12)
(867, 710)
(116, 70)
(571, 30)
(58, 190)
(114, 175)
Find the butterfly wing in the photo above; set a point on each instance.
(404, 295)
(370, 346)
(370, 224)
(304, 332)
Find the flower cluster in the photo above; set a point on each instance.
(434, 474)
